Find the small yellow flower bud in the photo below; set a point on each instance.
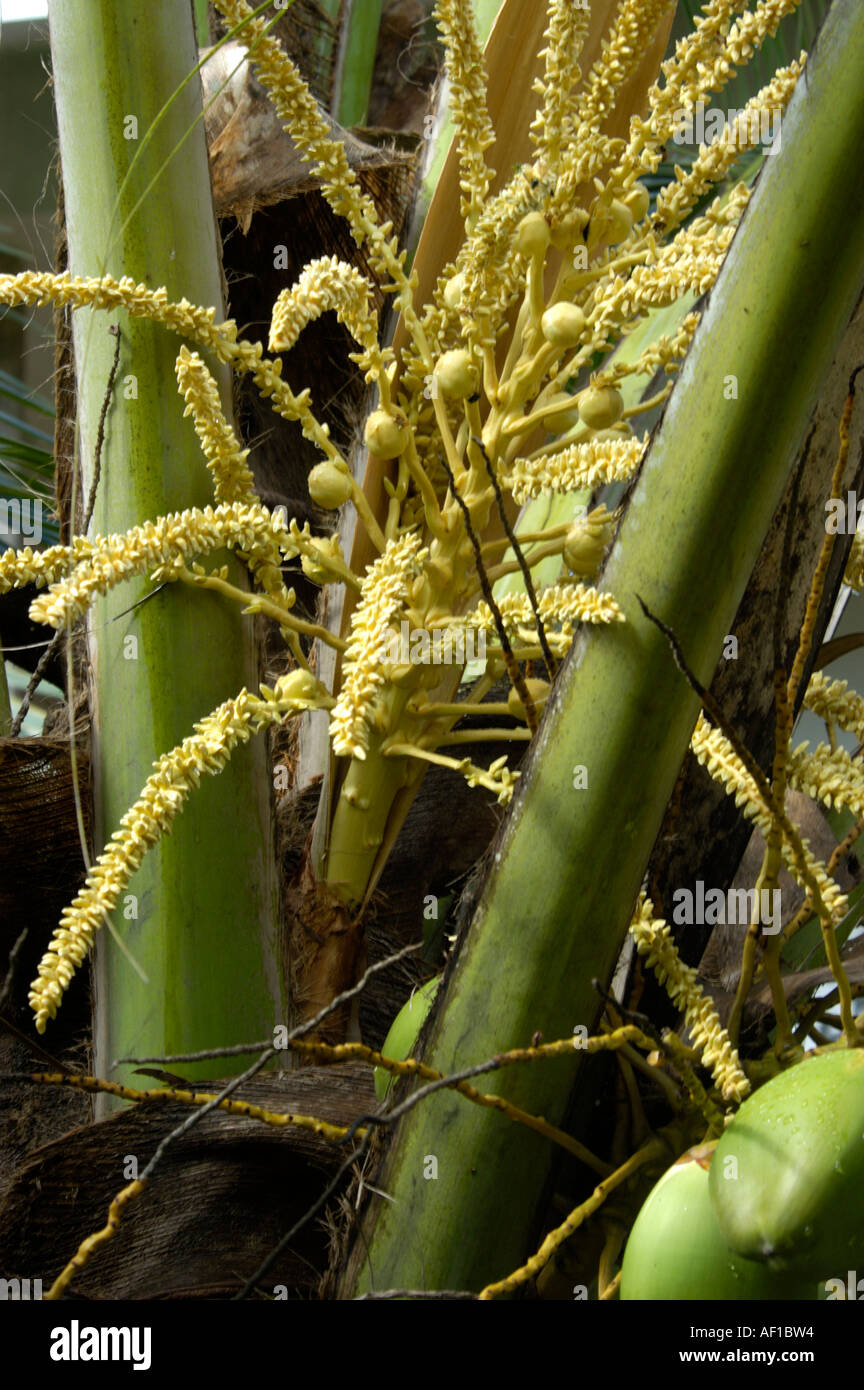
(600, 406)
(329, 485)
(532, 235)
(638, 200)
(539, 692)
(327, 546)
(456, 374)
(586, 541)
(563, 325)
(386, 433)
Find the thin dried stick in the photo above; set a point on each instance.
(513, 671)
(551, 662)
(653, 1149)
(63, 1280)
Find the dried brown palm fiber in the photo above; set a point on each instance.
(41, 869)
(406, 65)
(309, 36)
(221, 1198)
(253, 160)
(41, 864)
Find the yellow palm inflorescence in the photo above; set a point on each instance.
(555, 268)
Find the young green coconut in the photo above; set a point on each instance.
(787, 1181)
(676, 1249)
(404, 1032)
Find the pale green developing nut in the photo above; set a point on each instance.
(386, 434)
(620, 223)
(532, 235)
(586, 541)
(456, 374)
(326, 547)
(298, 685)
(600, 406)
(563, 420)
(404, 1032)
(566, 232)
(539, 692)
(453, 290)
(563, 325)
(638, 200)
(329, 485)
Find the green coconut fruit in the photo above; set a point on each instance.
(676, 1251)
(532, 235)
(329, 485)
(386, 433)
(404, 1031)
(787, 1181)
(620, 218)
(563, 324)
(456, 374)
(600, 406)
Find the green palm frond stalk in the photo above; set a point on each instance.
(355, 61)
(201, 923)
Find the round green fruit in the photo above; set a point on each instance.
(329, 485)
(563, 324)
(638, 200)
(566, 416)
(532, 235)
(456, 374)
(404, 1031)
(620, 222)
(453, 290)
(386, 434)
(787, 1181)
(600, 406)
(676, 1251)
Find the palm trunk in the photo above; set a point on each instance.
(569, 866)
(202, 920)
